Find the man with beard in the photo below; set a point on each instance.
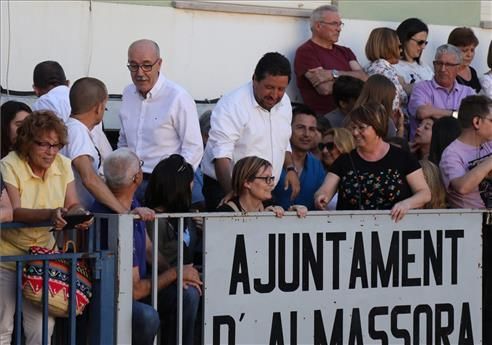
(253, 120)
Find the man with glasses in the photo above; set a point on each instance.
(158, 117)
(88, 97)
(442, 95)
(309, 168)
(319, 61)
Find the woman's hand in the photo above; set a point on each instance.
(277, 210)
(301, 210)
(57, 218)
(321, 201)
(399, 210)
(191, 277)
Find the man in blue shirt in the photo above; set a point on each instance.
(309, 169)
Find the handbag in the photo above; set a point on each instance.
(58, 282)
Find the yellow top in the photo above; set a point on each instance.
(35, 193)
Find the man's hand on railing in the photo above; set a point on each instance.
(145, 213)
(191, 277)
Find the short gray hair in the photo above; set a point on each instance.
(119, 168)
(317, 14)
(449, 49)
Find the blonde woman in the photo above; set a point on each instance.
(433, 178)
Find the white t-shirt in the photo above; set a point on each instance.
(80, 143)
(413, 71)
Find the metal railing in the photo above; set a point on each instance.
(101, 259)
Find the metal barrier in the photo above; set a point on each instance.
(227, 229)
(111, 259)
(100, 326)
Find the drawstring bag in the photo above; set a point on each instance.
(58, 282)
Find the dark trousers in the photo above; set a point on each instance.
(213, 193)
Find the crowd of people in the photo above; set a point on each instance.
(393, 135)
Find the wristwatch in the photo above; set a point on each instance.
(335, 73)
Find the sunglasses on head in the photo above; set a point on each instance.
(329, 146)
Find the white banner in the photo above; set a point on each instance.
(344, 278)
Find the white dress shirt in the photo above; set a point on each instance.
(162, 123)
(240, 127)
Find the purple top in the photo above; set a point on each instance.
(455, 162)
(429, 92)
(139, 236)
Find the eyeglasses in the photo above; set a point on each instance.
(329, 146)
(440, 64)
(46, 145)
(337, 24)
(146, 67)
(359, 128)
(268, 179)
(140, 165)
(420, 42)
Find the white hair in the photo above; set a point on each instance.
(317, 14)
(449, 49)
(119, 168)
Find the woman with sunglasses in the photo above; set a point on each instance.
(252, 185)
(336, 142)
(376, 175)
(412, 33)
(41, 188)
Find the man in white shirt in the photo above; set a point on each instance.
(88, 97)
(51, 86)
(253, 120)
(158, 117)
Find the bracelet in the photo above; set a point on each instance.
(291, 168)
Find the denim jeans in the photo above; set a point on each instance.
(145, 323)
(168, 300)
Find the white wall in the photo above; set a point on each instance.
(208, 53)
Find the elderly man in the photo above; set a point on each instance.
(309, 168)
(442, 95)
(124, 175)
(158, 117)
(319, 61)
(466, 164)
(51, 86)
(253, 120)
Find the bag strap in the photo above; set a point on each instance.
(233, 205)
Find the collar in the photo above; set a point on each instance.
(255, 104)
(53, 170)
(155, 89)
(435, 85)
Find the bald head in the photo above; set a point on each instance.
(145, 44)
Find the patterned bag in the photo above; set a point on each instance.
(58, 282)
